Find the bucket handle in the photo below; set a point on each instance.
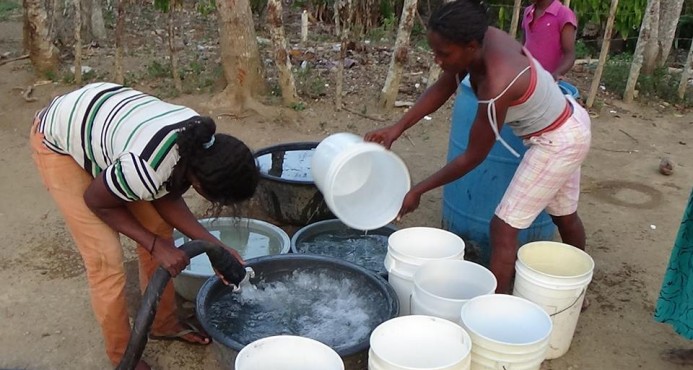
(584, 290)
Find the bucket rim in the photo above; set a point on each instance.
(432, 265)
(466, 339)
(564, 246)
(340, 161)
(511, 297)
(400, 232)
(281, 337)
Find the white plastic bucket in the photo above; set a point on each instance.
(419, 342)
(555, 276)
(441, 288)
(288, 352)
(363, 183)
(410, 248)
(508, 332)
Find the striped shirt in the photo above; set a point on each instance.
(128, 135)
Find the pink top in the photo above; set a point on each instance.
(543, 35)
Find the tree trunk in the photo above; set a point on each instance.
(645, 39)
(516, 18)
(566, 3)
(603, 54)
(287, 83)
(686, 73)
(119, 30)
(172, 49)
(399, 56)
(337, 28)
(98, 26)
(78, 42)
(304, 27)
(43, 55)
(651, 46)
(670, 13)
(342, 55)
(239, 54)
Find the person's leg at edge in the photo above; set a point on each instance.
(571, 229)
(166, 321)
(97, 243)
(503, 253)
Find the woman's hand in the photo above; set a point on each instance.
(384, 136)
(169, 257)
(410, 203)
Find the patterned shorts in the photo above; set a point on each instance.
(548, 176)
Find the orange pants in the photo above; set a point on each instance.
(100, 247)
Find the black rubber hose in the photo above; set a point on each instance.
(221, 259)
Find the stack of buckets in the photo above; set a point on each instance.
(450, 317)
(457, 322)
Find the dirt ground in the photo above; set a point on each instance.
(631, 213)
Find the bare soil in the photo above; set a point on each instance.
(631, 211)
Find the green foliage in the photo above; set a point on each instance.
(7, 7)
(300, 106)
(660, 85)
(258, 6)
(582, 50)
(206, 7)
(158, 70)
(309, 83)
(629, 14)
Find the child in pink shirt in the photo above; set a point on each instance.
(549, 34)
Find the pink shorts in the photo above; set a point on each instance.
(548, 176)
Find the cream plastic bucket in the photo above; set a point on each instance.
(441, 288)
(508, 332)
(363, 183)
(555, 276)
(410, 248)
(419, 342)
(288, 352)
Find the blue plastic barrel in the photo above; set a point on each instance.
(470, 202)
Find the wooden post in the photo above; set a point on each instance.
(342, 56)
(281, 56)
(304, 26)
(388, 94)
(78, 42)
(119, 31)
(603, 55)
(172, 47)
(686, 73)
(516, 18)
(645, 38)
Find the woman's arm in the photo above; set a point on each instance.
(113, 211)
(432, 99)
(481, 140)
(176, 213)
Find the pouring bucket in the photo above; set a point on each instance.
(363, 183)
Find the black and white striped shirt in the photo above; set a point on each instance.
(114, 129)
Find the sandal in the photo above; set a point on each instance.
(182, 336)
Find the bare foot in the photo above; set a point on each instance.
(142, 366)
(678, 356)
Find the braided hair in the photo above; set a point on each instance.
(224, 165)
(460, 21)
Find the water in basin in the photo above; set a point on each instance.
(314, 302)
(287, 164)
(365, 250)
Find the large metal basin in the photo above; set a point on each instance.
(286, 190)
(381, 302)
(367, 250)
